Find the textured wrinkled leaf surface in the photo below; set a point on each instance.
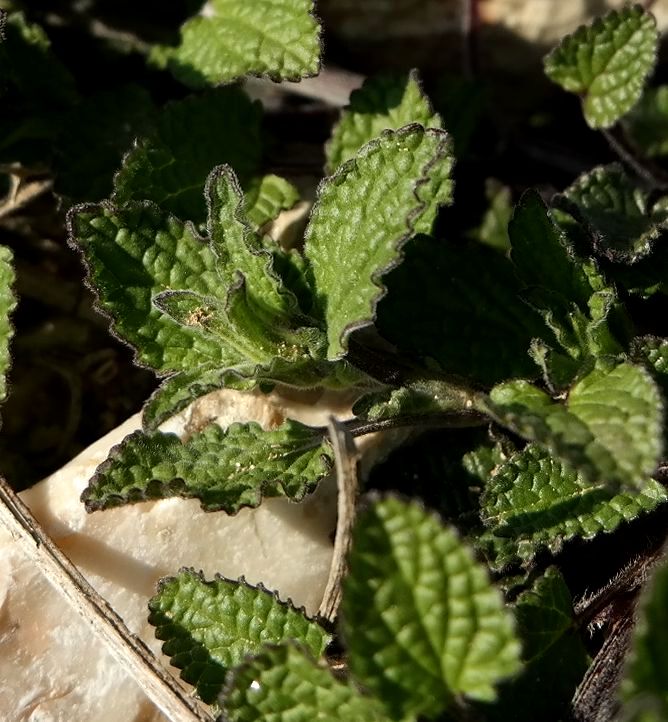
(225, 469)
(7, 305)
(381, 103)
(610, 428)
(170, 165)
(421, 619)
(554, 656)
(267, 197)
(607, 63)
(644, 688)
(210, 627)
(364, 213)
(279, 39)
(464, 312)
(616, 213)
(647, 123)
(283, 684)
(533, 501)
(134, 253)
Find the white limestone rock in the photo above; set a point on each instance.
(52, 668)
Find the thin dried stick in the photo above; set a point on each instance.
(158, 685)
(345, 460)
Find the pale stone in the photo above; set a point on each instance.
(52, 668)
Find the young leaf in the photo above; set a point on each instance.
(210, 627)
(615, 212)
(225, 469)
(534, 501)
(654, 351)
(364, 213)
(278, 39)
(465, 313)
(493, 231)
(267, 197)
(644, 688)
(607, 63)
(7, 305)
(171, 164)
(610, 427)
(284, 684)
(554, 656)
(647, 123)
(421, 620)
(381, 103)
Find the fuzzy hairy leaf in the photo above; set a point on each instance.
(364, 214)
(610, 427)
(278, 39)
(284, 684)
(647, 123)
(225, 469)
(421, 619)
(381, 103)
(654, 351)
(185, 301)
(644, 688)
(465, 312)
(7, 305)
(210, 627)
(267, 197)
(134, 253)
(607, 63)
(615, 212)
(170, 165)
(554, 656)
(533, 501)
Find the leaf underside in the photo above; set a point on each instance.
(209, 627)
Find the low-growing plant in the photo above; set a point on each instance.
(524, 351)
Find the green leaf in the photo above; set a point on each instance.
(184, 301)
(278, 39)
(7, 305)
(210, 627)
(421, 620)
(171, 164)
(283, 684)
(542, 255)
(267, 197)
(607, 63)
(493, 230)
(381, 103)
(610, 427)
(644, 688)
(554, 656)
(135, 252)
(107, 122)
(654, 352)
(225, 469)
(533, 501)
(459, 305)
(615, 212)
(362, 217)
(647, 123)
